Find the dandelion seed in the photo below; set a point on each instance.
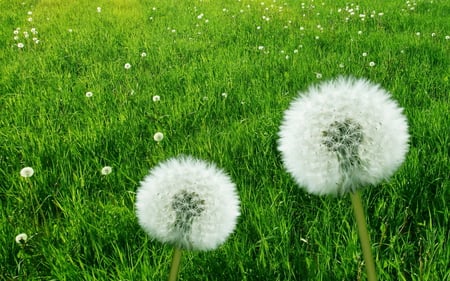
(371, 64)
(106, 170)
(89, 94)
(156, 98)
(21, 238)
(187, 203)
(127, 66)
(433, 34)
(319, 75)
(158, 136)
(27, 172)
(342, 135)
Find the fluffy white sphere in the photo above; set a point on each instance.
(188, 203)
(341, 135)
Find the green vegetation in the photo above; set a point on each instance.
(225, 71)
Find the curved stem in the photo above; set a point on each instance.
(363, 235)
(173, 275)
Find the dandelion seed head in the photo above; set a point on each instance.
(27, 172)
(156, 98)
(89, 94)
(106, 170)
(342, 135)
(188, 203)
(21, 238)
(372, 64)
(158, 136)
(20, 45)
(127, 66)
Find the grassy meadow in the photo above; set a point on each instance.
(87, 84)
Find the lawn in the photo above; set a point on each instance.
(87, 84)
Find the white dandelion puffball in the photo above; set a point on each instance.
(158, 136)
(106, 170)
(188, 203)
(342, 135)
(27, 172)
(21, 238)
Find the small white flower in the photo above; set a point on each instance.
(371, 64)
(106, 170)
(341, 65)
(127, 66)
(27, 172)
(260, 48)
(158, 136)
(29, 13)
(188, 203)
(418, 33)
(30, 19)
(89, 94)
(99, 9)
(433, 34)
(342, 135)
(319, 75)
(364, 54)
(224, 95)
(143, 54)
(70, 30)
(21, 238)
(447, 37)
(20, 45)
(16, 32)
(156, 98)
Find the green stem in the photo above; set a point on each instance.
(173, 275)
(363, 235)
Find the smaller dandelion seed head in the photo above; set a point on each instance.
(20, 45)
(127, 66)
(143, 54)
(30, 19)
(99, 9)
(319, 75)
(224, 95)
(371, 64)
(27, 172)
(89, 94)
(447, 37)
(158, 136)
(364, 54)
(341, 65)
(106, 170)
(21, 238)
(156, 98)
(260, 47)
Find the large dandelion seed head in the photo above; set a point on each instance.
(341, 135)
(188, 203)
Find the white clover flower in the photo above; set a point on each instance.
(89, 94)
(21, 238)
(341, 135)
(156, 98)
(127, 66)
(106, 170)
(188, 203)
(27, 172)
(158, 136)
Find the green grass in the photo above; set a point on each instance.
(82, 225)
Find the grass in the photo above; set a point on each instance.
(82, 225)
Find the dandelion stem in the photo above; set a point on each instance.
(363, 235)
(173, 275)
